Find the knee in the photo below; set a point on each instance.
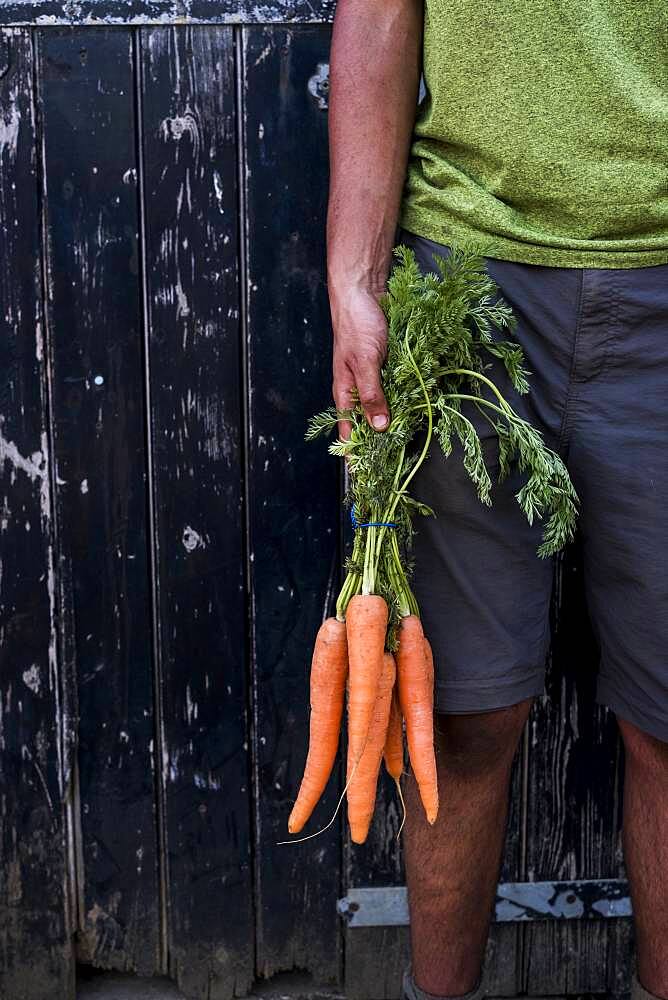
(481, 745)
(643, 750)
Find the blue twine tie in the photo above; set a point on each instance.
(369, 524)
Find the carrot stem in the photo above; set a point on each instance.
(404, 591)
(370, 549)
(482, 378)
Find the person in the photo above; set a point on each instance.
(542, 136)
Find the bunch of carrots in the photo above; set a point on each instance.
(443, 330)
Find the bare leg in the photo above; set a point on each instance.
(452, 868)
(646, 852)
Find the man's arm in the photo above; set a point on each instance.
(375, 67)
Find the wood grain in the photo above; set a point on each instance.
(189, 193)
(293, 504)
(94, 305)
(36, 957)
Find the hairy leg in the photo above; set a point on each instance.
(646, 851)
(452, 868)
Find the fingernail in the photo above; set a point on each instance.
(379, 422)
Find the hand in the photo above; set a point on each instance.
(360, 345)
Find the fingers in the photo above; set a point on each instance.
(343, 393)
(367, 379)
(360, 344)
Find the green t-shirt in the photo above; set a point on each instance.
(544, 127)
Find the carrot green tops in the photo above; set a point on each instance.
(544, 127)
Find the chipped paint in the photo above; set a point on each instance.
(185, 124)
(165, 12)
(206, 782)
(182, 308)
(27, 754)
(192, 709)
(218, 189)
(192, 539)
(10, 121)
(587, 899)
(318, 86)
(263, 54)
(32, 678)
(35, 467)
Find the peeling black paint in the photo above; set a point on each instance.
(95, 319)
(36, 955)
(293, 485)
(165, 12)
(188, 187)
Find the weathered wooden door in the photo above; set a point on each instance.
(169, 543)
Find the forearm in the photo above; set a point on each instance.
(375, 66)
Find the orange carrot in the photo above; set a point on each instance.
(366, 624)
(329, 670)
(415, 682)
(394, 742)
(363, 774)
(394, 751)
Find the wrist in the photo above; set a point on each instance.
(356, 263)
(345, 280)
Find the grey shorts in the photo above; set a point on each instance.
(596, 344)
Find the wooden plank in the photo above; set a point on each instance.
(164, 12)
(99, 428)
(375, 960)
(189, 192)
(293, 499)
(573, 795)
(504, 946)
(589, 899)
(36, 957)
